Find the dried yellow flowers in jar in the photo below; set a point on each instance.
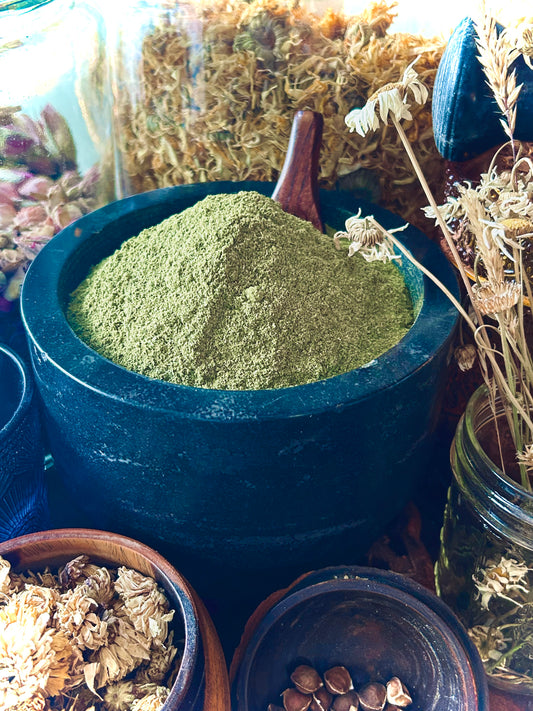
(87, 637)
(207, 91)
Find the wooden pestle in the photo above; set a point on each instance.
(297, 186)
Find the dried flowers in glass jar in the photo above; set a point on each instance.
(55, 144)
(207, 91)
(486, 558)
(87, 637)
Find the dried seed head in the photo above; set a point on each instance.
(338, 680)
(321, 700)
(306, 679)
(465, 356)
(346, 702)
(516, 226)
(373, 696)
(397, 693)
(294, 700)
(494, 298)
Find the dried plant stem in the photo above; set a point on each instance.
(429, 195)
(425, 271)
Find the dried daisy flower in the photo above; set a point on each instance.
(500, 580)
(523, 38)
(153, 700)
(525, 457)
(495, 298)
(145, 603)
(158, 666)
(368, 239)
(119, 696)
(75, 615)
(126, 650)
(391, 100)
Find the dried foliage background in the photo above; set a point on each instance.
(212, 93)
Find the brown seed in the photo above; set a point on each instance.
(306, 679)
(321, 700)
(294, 700)
(397, 694)
(346, 702)
(373, 696)
(338, 680)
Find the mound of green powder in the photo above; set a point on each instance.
(235, 293)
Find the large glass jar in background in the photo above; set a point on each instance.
(55, 137)
(206, 90)
(485, 568)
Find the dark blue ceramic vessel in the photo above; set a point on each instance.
(466, 117)
(23, 496)
(378, 625)
(253, 486)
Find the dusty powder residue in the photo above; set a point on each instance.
(235, 293)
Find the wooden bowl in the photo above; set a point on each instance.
(202, 683)
(377, 624)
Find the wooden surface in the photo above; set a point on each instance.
(297, 187)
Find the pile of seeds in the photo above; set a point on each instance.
(335, 691)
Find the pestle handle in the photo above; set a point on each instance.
(297, 187)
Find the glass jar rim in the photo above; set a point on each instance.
(510, 493)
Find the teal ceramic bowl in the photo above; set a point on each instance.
(244, 488)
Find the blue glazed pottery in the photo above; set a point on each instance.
(466, 117)
(375, 623)
(252, 486)
(23, 496)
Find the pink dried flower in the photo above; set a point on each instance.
(36, 187)
(64, 215)
(7, 215)
(30, 216)
(59, 133)
(8, 193)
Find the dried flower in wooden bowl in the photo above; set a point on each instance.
(113, 628)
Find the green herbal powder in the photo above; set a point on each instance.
(235, 293)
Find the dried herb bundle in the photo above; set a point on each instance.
(217, 85)
(88, 638)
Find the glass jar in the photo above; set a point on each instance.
(207, 91)
(485, 567)
(55, 137)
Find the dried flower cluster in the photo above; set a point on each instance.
(219, 84)
(88, 638)
(41, 189)
(503, 627)
(495, 219)
(334, 691)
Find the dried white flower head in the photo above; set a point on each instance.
(501, 579)
(35, 659)
(145, 603)
(5, 576)
(525, 457)
(495, 298)
(119, 696)
(489, 641)
(391, 99)
(153, 701)
(76, 616)
(523, 38)
(368, 239)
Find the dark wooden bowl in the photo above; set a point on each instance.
(202, 683)
(377, 624)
